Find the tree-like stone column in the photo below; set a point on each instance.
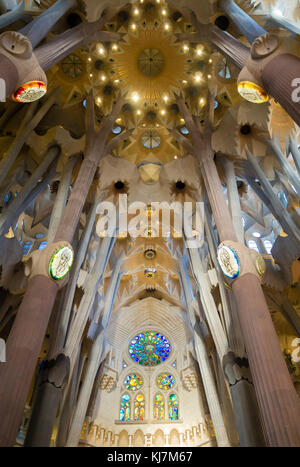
(28, 331)
(48, 397)
(204, 366)
(38, 29)
(94, 360)
(277, 399)
(245, 24)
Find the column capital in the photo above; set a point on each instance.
(236, 260)
(30, 84)
(263, 50)
(54, 262)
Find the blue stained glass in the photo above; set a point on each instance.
(7, 197)
(42, 245)
(149, 349)
(125, 408)
(26, 248)
(173, 407)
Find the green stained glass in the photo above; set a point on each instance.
(149, 348)
(165, 381)
(139, 407)
(159, 407)
(173, 407)
(125, 408)
(133, 382)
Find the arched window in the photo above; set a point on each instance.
(125, 408)
(159, 407)
(268, 246)
(139, 407)
(253, 245)
(173, 407)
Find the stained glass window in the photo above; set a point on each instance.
(133, 382)
(173, 407)
(165, 381)
(125, 408)
(149, 348)
(159, 407)
(139, 407)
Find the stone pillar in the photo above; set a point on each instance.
(94, 360)
(130, 438)
(12, 212)
(48, 397)
(109, 438)
(188, 438)
(181, 439)
(244, 401)
(205, 369)
(12, 16)
(234, 200)
(101, 438)
(201, 426)
(116, 438)
(29, 123)
(233, 49)
(245, 24)
(167, 441)
(273, 68)
(277, 399)
(61, 198)
(38, 29)
(25, 339)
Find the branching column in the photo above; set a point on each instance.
(28, 331)
(278, 402)
(93, 361)
(246, 25)
(205, 368)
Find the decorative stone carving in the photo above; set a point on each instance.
(264, 49)
(264, 46)
(17, 49)
(109, 379)
(189, 378)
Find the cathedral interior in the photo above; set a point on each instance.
(150, 335)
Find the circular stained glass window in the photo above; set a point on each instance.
(151, 139)
(133, 382)
(151, 62)
(149, 348)
(165, 381)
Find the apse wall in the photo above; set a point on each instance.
(143, 316)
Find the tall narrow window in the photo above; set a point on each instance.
(159, 407)
(125, 408)
(268, 246)
(139, 407)
(173, 407)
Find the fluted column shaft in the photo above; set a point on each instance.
(28, 331)
(38, 29)
(245, 24)
(234, 200)
(205, 369)
(93, 362)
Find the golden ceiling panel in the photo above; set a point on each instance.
(150, 65)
